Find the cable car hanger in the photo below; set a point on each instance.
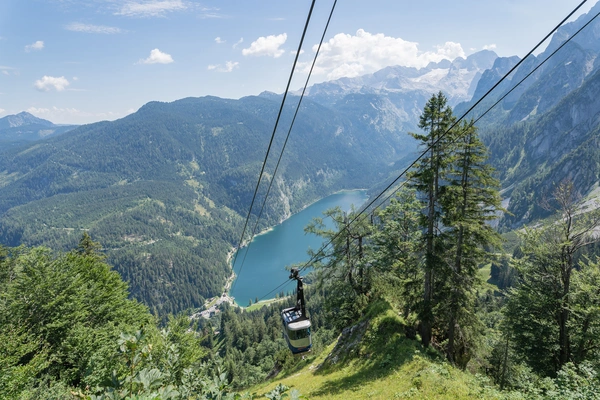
(296, 324)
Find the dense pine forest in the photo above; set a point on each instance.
(520, 310)
(165, 190)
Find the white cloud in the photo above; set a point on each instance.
(48, 83)
(150, 8)
(157, 57)
(89, 28)
(209, 15)
(266, 46)
(219, 40)
(38, 45)
(228, 67)
(71, 115)
(236, 44)
(37, 111)
(346, 55)
(75, 78)
(5, 72)
(2, 110)
(489, 46)
(293, 52)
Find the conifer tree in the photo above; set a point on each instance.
(427, 178)
(469, 201)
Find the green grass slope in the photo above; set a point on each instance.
(374, 360)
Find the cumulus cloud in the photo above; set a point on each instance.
(150, 8)
(89, 28)
(219, 40)
(38, 45)
(489, 46)
(228, 67)
(347, 55)
(48, 83)
(2, 110)
(266, 46)
(236, 44)
(157, 57)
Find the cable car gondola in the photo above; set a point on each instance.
(296, 324)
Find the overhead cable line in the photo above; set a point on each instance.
(312, 6)
(473, 122)
(307, 264)
(323, 247)
(287, 137)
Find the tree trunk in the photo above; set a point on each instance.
(426, 317)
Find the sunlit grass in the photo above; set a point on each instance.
(383, 364)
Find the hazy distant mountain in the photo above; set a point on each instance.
(20, 119)
(548, 129)
(392, 99)
(24, 127)
(457, 79)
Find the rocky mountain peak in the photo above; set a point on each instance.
(457, 79)
(22, 119)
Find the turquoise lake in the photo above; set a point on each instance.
(286, 244)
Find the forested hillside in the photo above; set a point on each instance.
(425, 298)
(164, 189)
(546, 130)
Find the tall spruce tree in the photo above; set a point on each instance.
(470, 199)
(426, 179)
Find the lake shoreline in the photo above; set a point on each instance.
(267, 230)
(348, 197)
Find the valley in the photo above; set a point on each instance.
(475, 274)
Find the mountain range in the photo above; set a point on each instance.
(547, 129)
(166, 189)
(24, 128)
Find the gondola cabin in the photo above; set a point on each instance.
(296, 325)
(296, 329)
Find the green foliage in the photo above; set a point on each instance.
(552, 311)
(166, 188)
(63, 310)
(280, 393)
(344, 273)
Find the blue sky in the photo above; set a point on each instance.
(81, 61)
